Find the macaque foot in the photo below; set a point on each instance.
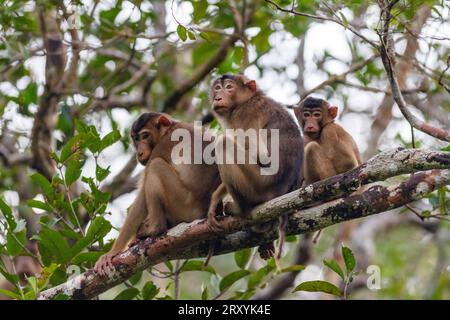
(231, 208)
(134, 242)
(213, 223)
(105, 263)
(266, 251)
(149, 229)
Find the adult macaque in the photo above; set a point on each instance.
(238, 104)
(169, 193)
(329, 149)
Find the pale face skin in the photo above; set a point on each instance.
(223, 94)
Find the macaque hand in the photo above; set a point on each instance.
(212, 221)
(105, 263)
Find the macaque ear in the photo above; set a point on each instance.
(333, 111)
(164, 121)
(251, 84)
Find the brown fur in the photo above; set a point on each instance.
(245, 107)
(168, 193)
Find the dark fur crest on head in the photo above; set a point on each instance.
(142, 121)
(313, 103)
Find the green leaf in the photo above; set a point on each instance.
(40, 180)
(98, 229)
(101, 173)
(91, 257)
(15, 242)
(8, 214)
(109, 139)
(30, 94)
(191, 34)
(294, 268)
(127, 294)
(231, 278)
(135, 278)
(318, 286)
(349, 259)
(242, 257)
(149, 291)
(73, 172)
(53, 247)
(333, 265)
(181, 30)
(197, 265)
(70, 148)
(205, 36)
(205, 293)
(10, 294)
(39, 204)
(256, 278)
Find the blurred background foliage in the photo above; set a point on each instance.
(117, 59)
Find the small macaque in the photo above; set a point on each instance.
(274, 169)
(329, 149)
(170, 192)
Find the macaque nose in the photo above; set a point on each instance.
(310, 128)
(217, 99)
(140, 154)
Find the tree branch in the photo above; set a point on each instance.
(389, 60)
(194, 239)
(45, 117)
(171, 102)
(340, 77)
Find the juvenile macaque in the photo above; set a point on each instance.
(169, 193)
(277, 164)
(329, 149)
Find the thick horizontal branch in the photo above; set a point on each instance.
(193, 239)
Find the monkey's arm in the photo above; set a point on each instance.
(216, 197)
(132, 222)
(340, 148)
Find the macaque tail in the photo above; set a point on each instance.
(316, 237)
(281, 235)
(210, 254)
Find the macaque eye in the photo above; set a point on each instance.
(217, 87)
(144, 136)
(229, 86)
(306, 114)
(316, 114)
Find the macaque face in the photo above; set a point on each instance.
(313, 114)
(146, 132)
(311, 121)
(230, 90)
(143, 142)
(223, 94)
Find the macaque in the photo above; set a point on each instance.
(239, 104)
(169, 193)
(329, 149)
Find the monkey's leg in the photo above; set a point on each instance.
(317, 165)
(216, 198)
(135, 216)
(159, 173)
